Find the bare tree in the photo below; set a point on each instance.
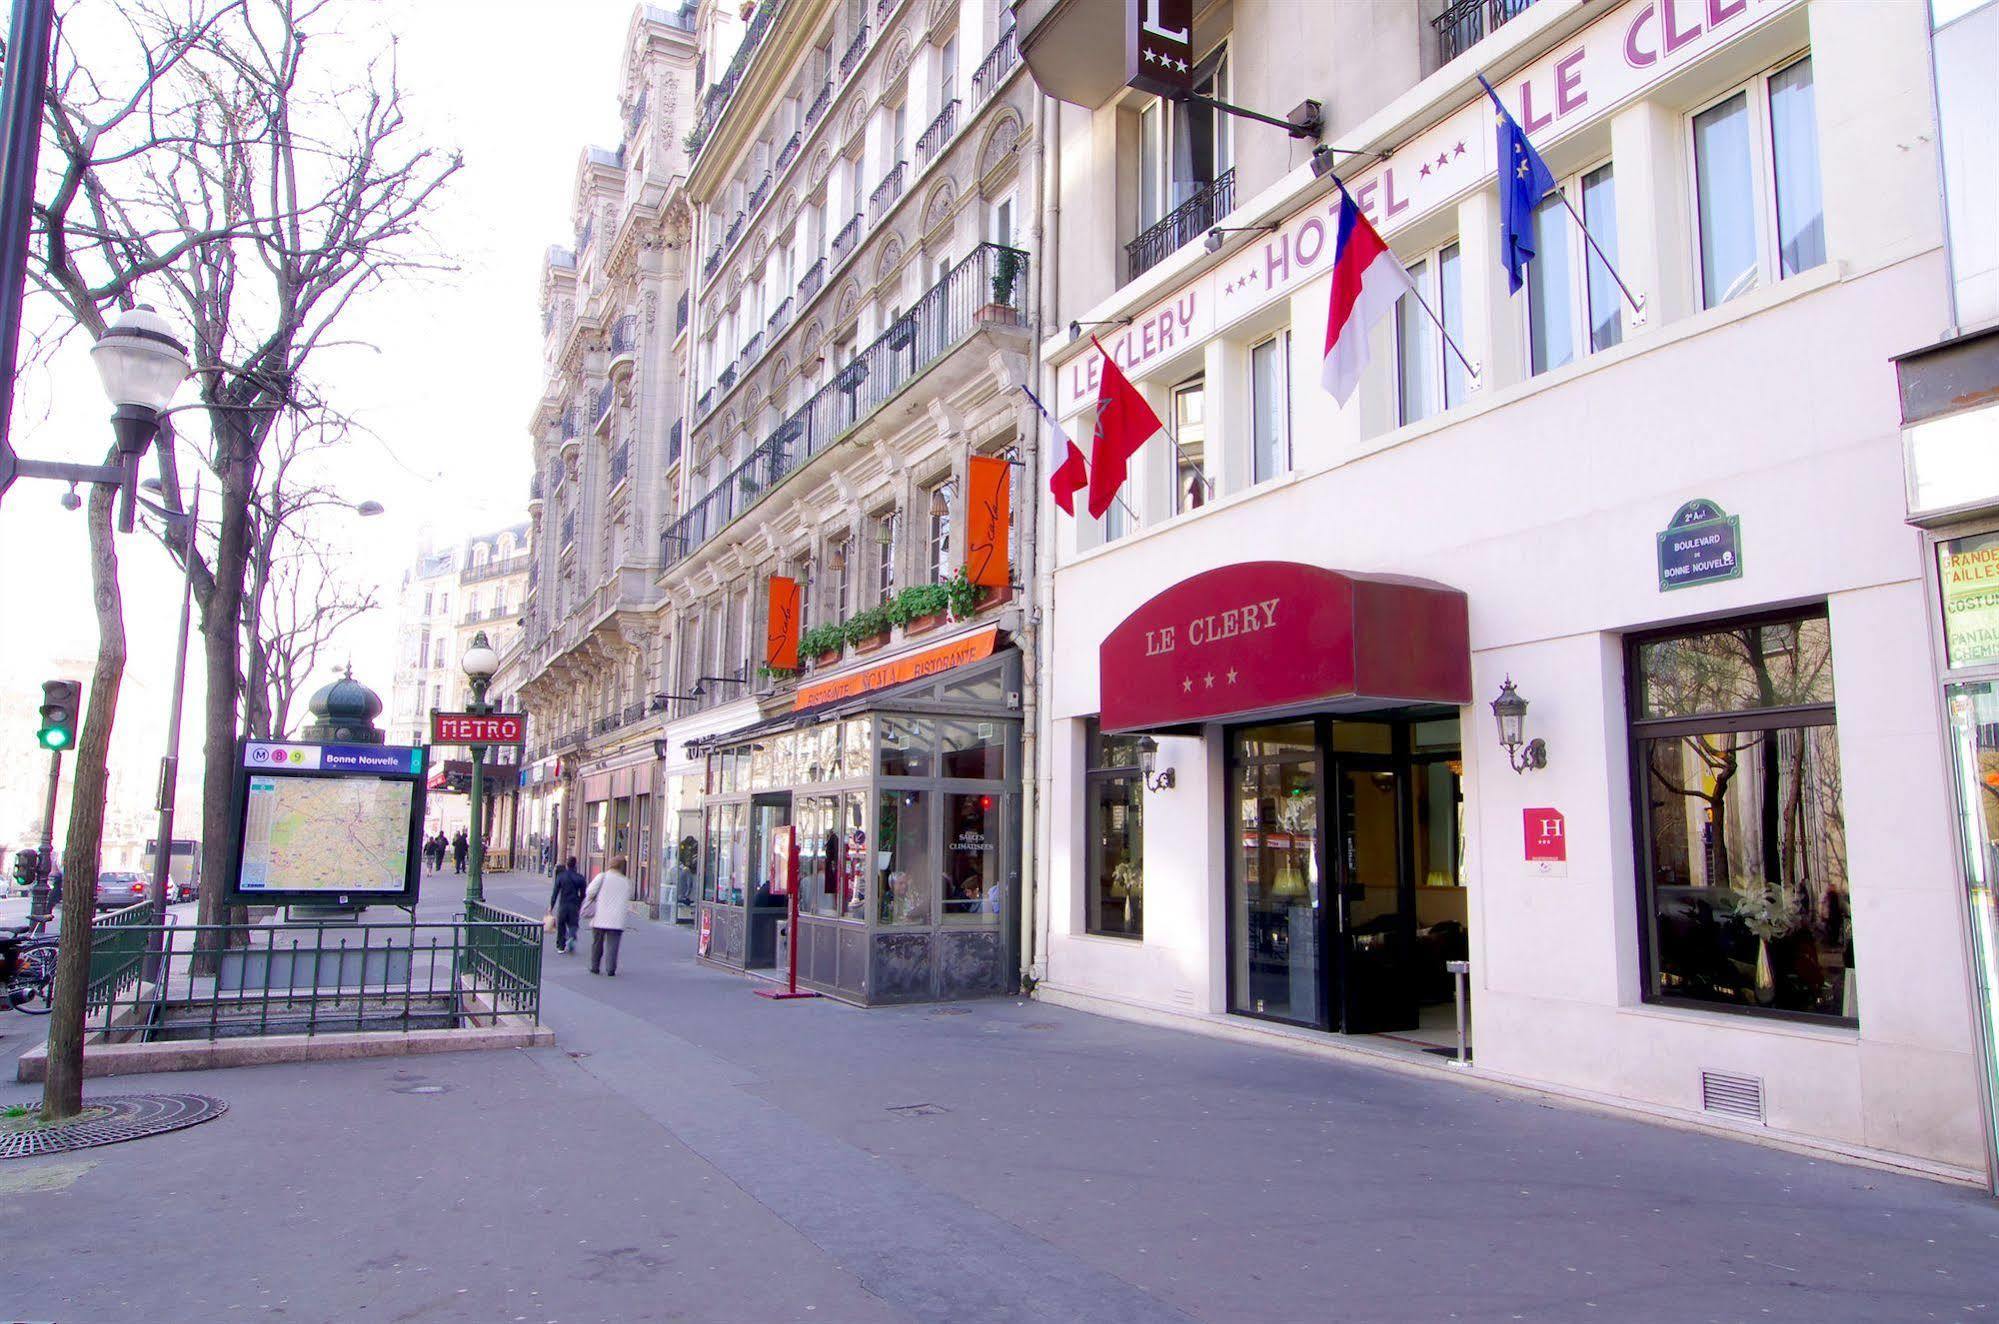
(306, 604)
(221, 157)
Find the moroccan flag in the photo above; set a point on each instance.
(1367, 280)
(1071, 475)
(1124, 423)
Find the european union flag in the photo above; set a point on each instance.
(1524, 179)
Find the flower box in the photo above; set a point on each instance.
(829, 658)
(996, 314)
(868, 643)
(923, 624)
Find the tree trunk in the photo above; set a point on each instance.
(221, 619)
(62, 1092)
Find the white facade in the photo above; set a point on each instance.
(1540, 496)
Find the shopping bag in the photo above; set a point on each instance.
(548, 922)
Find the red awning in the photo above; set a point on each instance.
(1267, 636)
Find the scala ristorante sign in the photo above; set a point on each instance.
(1266, 635)
(1159, 45)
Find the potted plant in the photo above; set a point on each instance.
(920, 607)
(867, 629)
(961, 595)
(822, 643)
(1006, 272)
(777, 673)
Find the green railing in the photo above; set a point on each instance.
(503, 957)
(117, 954)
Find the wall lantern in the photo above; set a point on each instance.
(1509, 710)
(1148, 759)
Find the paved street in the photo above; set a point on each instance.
(690, 1152)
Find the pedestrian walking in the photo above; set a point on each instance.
(460, 844)
(604, 905)
(566, 900)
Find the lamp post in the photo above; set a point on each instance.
(480, 662)
(141, 366)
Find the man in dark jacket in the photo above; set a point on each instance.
(460, 845)
(567, 903)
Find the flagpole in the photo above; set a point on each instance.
(1179, 452)
(1637, 304)
(1050, 420)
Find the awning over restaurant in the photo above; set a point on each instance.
(1268, 636)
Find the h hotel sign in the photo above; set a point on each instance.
(1159, 46)
(1547, 840)
(1262, 636)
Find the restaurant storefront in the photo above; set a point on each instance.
(904, 803)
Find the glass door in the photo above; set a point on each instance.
(1275, 899)
(767, 814)
(1376, 906)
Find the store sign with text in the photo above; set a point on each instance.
(1265, 635)
(1582, 80)
(1701, 544)
(1968, 582)
(1159, 45)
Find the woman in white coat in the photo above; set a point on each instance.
(604, 904)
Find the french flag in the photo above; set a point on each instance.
(1367, 280)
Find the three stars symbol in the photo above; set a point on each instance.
(1207, 681)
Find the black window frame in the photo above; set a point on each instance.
(1640, 730)
(1097, 772)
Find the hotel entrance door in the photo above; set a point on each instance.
(1331, 823)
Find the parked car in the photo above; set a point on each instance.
(117, 888)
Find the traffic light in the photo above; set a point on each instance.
(25, 865)
(60, 700)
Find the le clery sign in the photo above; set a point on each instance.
(1614, 60)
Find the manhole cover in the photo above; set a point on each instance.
(918, 1109)
(112, 1118)
(419, 1089)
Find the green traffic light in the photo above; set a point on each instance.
(55, 739)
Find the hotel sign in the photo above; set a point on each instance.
(1702, 545)
(1159, 45)
(1615, 60)
(1265, 635)
(1547, 837)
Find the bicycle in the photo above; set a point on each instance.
(28, 967)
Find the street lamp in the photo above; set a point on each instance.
(141, 366)
(480, 662)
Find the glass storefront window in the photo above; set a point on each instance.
(972, 884)
(856, 861)
(905, 746)
(988, 688)
(1275, 899)
(857, 743)
(903, 859)
(1744, 878)
(971, 749)
(732, 858)
(1968, 580)
(819, 854)
(1116, 808)
(760, 761)
(1440, 824)
(711, 856)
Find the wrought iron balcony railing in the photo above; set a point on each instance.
(1464, 22)
(941, 131)
(780, 317)
(735, 230)
(673, 439)
(888, 191)
(726, 378)
(819, 104)
(990, 286)
(625, 335)
(751, 348)
(855, 49)
(815, 276)
(849, 235)
(999, 62)
(790, 149)
(621, 462)
(759, 193)
(607, 396)
(680, 314)
(1196, 216)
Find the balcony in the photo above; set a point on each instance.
(735, 230)
(815, 276)
(751, 348)
(673, 439)
(780, 318)
(790, 149)
(999, 62)
(819, 104)
(717, 100)
(636, 116)
(989, 288)
(600, 409)
(621, 462)
(843, 242)
(1196, 216)
(759, 193)
(888, 191)
(583, 238)
(680, 313)
(706, 403)
(712, 261)
(883, 8)
(727, 377)
(855, 50)
(624, 345)
(940, 132)
(1465, 22)
(500, 569)
(568, 530)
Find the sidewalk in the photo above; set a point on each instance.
(689, 1151)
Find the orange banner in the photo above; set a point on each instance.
(988, 522)
(781, 625)
(910, 666)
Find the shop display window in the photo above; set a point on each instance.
(1116, 807)
(905, 746)
(855, 858)
(1745, 891)
(971, 749)
(972, 885)
(903, 862)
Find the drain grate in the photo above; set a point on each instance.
(112, 1119)
(1732, 1095)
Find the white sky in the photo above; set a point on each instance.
(520, 86)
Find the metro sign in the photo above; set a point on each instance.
(477, 729)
